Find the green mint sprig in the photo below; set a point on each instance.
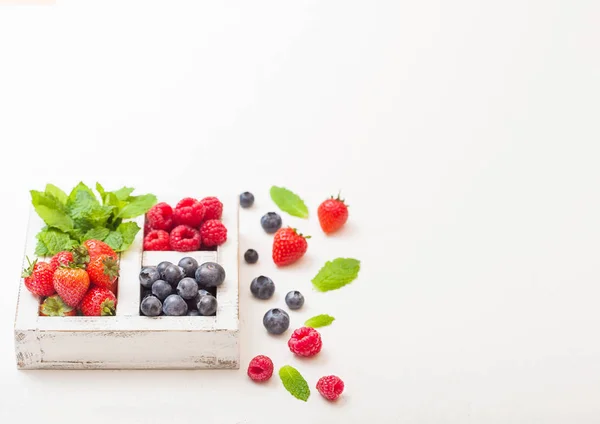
(289, 202)
(336, 274)
(294, 382)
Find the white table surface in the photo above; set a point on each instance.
(464, 135)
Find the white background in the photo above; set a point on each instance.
(464, 135)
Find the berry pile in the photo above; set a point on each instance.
(82, 281)
(192, 225)
(183, 289)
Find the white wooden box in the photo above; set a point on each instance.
(129, 340)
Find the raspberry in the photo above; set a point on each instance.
(330, 387)
(156, 240)
(260, 368)
(185, 239)
(213, 233)
(305, 341)
(160, 217)
(147, 228)
(188, 212)
(213, 208)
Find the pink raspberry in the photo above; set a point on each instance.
(213, 233)
(185, 239)
(305, 341)
(160, 217)
(213, 208)
(260, 368)
(330, 387)
(156, 240)
(189, 212)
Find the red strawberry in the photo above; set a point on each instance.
(61, 258)
(71, 283)
(98, 302)
(54, 306)
(103, 271)
(333, 214)
(97, 247)
(288, 246)
(38, 278)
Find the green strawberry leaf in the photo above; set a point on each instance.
(137, 206)
(114, 240)
(60, 195)
(289, 202)
(128, 231)
(294, 382)
(319, 321)
(51, 210)
(336, 274)
(52, 241)
(99, 233)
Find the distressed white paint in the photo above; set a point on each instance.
(128, 340)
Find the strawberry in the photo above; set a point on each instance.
(333, 214)
(103, 271)
(71, 283)
(38, 278)
(54, 306)
(288, 246)
(98, 302)
(97, 247)
(61, 258)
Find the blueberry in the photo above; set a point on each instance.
(276, 321)
(172, 274)
(251, 256)
(161, 268)
(187, 288)
(207, 305)
(174, 305)
(262, 287)
(203, 292)
(193, 313)
(246, 199)
(271, 222)
(161, 289)
(189, 265)
(210, 274)
(151, 306)
(294, 299)
(148, 275)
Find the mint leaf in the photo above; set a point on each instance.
(87, 211)
(99, 233)
(52, 241)
(289, 202)
(102, 192)
(319, 321)
(123, 193)
(294, 382)
(336, 274)
(41, 249)
(51, 210)
(114, 240)
(128, 231)
(81, 187)
(60, 195)
(137, 205)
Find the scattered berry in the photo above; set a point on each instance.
(333, 214)
(188, 212)
(151, 306)
(187, 288)
(97, 247)
(260, 368)
(160, 217)
(251, 256)
(276, 321)
(271, 222)
(103, 271)
(294, 299)
(38, 278)
(213, 233)
(174, 305)
(288, 246)
(161, 268)
(98, 301)
(54, 306)
(246, 199)
(189, 265)
(262, 287)
(210, 274)
(213, 208)
(71, 284)
(61, 258)
(157, 240)
(148, 276)
(161, 289)
(172, 274)
(207, 305)
(305, 341)
(330, 387)
(193, 313)
(185, 239)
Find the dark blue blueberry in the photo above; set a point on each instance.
(193, 313)
(174, 305)
(294, 299)
(187, 288)
(210, 274)
(271, 222)
(151, 306)
(148, 275)
(251, 256)
(276, 321)
(189, 265)
(246, 199)
(173, 274)
(161, 268)
(207, 305)
(262, 287)
(161, 289)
